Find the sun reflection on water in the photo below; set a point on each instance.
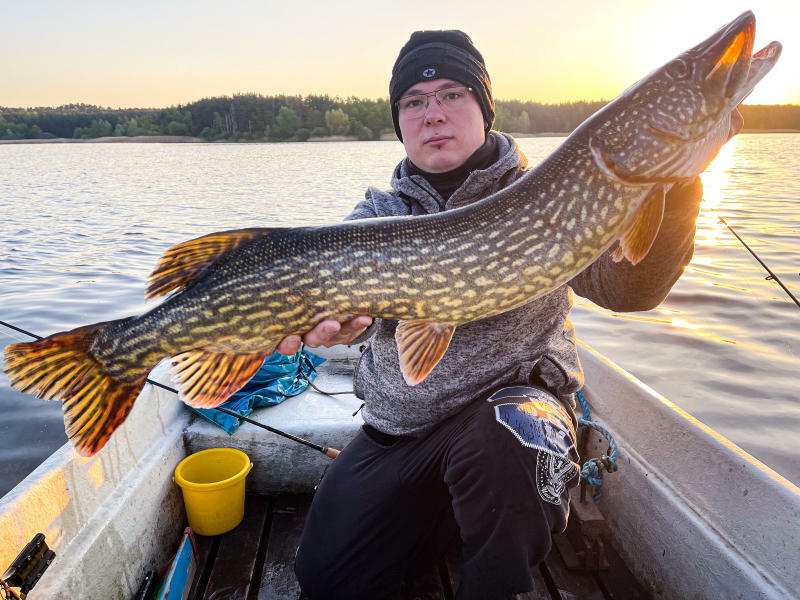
(716, 196)
(683, 324)
(679, 325)
(716, 178)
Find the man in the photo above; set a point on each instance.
(484, 448)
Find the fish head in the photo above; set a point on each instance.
(671, 124)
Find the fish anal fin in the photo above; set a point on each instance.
(642, 229)
(91, 417)
(181, 263)
(207, 378)
(420, 346)
(62, 367)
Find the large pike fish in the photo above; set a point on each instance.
(235, 294)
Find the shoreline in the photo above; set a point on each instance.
(185, 139)
(141, 139)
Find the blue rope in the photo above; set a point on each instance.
(592, 471)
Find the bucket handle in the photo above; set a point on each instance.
(250, 468)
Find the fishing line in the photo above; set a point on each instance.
(300, 370)
(329, 452)
(10, 326)
(772, 275)
(303, 374)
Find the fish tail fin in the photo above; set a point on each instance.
(61, 367)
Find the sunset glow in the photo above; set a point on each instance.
(160, 54)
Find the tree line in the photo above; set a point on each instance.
(256, 117)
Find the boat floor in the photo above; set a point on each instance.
(255, 562)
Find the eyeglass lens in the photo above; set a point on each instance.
(447, 98)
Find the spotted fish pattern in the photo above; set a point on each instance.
(234, 295)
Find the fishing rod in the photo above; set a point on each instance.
(772, 275)
(329, 452)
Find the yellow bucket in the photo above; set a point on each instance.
(212, 482)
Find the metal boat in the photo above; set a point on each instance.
(691, 514)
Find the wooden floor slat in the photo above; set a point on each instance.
(234, 566)
(207, 552)
(540, 591)
(277, 579)
(572, 585)
(256, 562)
(618, 582)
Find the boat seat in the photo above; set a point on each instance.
(280, 464)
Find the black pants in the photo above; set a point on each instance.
(497, 474)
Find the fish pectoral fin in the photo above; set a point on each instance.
(183, 262)
(420, 346)
(207, 378)
(641, 231)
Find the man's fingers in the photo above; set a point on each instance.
(328, 332)
(737, 122)
(322, 333)
(289, 345)
(355, 325)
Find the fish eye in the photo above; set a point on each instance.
(678, 68)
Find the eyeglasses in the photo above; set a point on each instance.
(413, 107)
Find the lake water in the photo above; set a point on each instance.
(83, 225)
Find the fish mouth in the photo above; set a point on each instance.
(727, 71)
(760, 64)
(728, 64)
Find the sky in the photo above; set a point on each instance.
(158, 54)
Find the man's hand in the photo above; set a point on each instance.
(737, 122)
(685, 197)
(327, 332)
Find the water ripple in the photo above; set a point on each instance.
(83, 226)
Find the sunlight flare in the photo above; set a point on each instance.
(716, 185)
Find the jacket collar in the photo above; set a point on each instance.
(477, 185)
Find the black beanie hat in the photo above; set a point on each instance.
(441, 54)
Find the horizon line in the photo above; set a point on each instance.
(320, 95)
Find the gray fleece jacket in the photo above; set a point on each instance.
(532, 344)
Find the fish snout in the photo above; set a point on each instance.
(726, 57)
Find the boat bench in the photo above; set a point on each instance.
(281, 465)
(255, 561)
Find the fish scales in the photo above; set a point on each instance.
(236, 294)
(374, 245)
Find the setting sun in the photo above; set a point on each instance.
(110, 55)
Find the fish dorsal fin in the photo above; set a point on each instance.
(420, 346)
(181, 263)
(207, 378)
(641, 231)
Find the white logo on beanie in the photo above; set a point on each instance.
(429, 73)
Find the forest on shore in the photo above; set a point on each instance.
(255, 117)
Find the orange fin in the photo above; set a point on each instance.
(182, 263)
(61, 367)
(421, 345)
(641, 231)
(206, 378)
